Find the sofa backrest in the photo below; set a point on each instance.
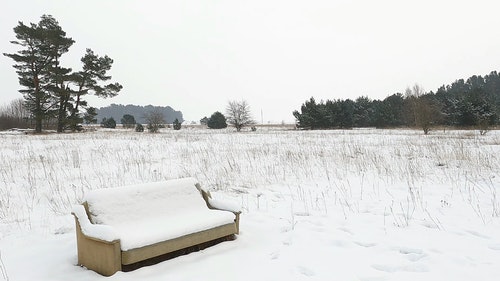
(114, 206)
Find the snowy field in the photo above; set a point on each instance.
(317, 205)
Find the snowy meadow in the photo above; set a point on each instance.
(317, 205)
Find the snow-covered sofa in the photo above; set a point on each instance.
(123, 226)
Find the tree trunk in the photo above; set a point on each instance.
(61, 116)
(38, 106)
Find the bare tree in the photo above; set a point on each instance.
(412, 95)
(238, 114)
(155, 120)
(14, 115)
(423, 108)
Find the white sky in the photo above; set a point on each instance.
(197, 55)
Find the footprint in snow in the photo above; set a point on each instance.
(378, 278)
(405, 250)
(305, 271)
(415, 257)
(345, 230)
(63, 230)
(318, 229)
(495, 247)
(396, 268)
(341, 243)
(412, 255)
(386, 268)
(365, 244)
(275, 255)
(477, 234)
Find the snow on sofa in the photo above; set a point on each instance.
(116, 227)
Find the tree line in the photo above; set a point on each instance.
(140, 113)
(474, 102)
(50, 90)
(238, 116)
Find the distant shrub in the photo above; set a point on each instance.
(155, 121)
(484, 126)
(217, 121)
(128, 121)
(108, 123)
(139, 128)
(177, 124)
(204, 121)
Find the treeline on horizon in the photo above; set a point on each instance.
(474, 102)
(117, 111)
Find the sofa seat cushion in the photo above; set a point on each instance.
(148, 231)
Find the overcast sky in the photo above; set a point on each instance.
(197, 55)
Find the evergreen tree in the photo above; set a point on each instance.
(474, 102)
(313, 116)
(47, 86)
(88, 82)
(128, 121)
(217, 121)
(139, 128)
(177, 125)
(394, 107)
(204, 121)
(90, 116)
(363, 112)
(328, 114)
(108, 123)
(347, 108)
(37, 64)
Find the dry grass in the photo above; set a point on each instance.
(320, 168)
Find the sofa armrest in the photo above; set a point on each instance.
(98, 246)
(224, 205)
(215, 204)
(104, 233)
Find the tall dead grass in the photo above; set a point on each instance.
(321, 168)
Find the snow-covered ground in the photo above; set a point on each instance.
(317, 205)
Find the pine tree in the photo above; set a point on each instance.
(90, 115)
(139, 128)
(47, 86)
(108, 123)
(217, 121)
(128, 121)
(87, 81)
(37, 65)
(177, 124)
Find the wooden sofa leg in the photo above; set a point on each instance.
(100, 256)
(237, 222)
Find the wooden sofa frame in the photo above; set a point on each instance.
(106, 257)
